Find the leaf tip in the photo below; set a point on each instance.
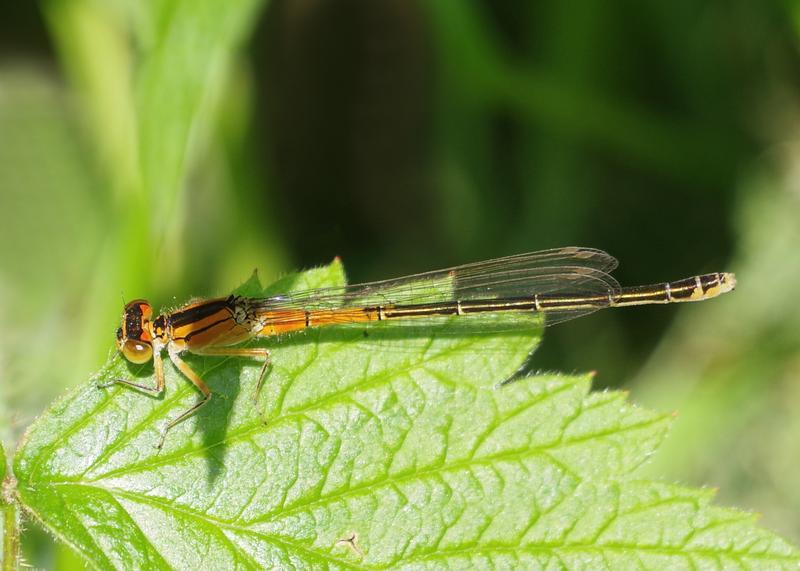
(251, 285)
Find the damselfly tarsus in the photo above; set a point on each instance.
(560, 284)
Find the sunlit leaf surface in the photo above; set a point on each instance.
(371, 448)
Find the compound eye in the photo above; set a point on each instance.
(139, 308)
(137, 351)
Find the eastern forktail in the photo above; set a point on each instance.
(561, 284)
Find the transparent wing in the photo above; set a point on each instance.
(568, 271)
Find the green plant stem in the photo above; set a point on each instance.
(10, 531)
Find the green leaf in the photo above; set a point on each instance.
(387, 446)
(185, 63)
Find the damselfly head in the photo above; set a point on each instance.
(134, 339)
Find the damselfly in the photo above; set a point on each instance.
(559, 284)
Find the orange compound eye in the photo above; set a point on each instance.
(137, 351)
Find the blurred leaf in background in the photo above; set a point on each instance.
(52, 226)
(733, 371)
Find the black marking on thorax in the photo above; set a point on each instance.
(184, 317)
(160, 327)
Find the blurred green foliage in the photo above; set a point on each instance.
(406, 136)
